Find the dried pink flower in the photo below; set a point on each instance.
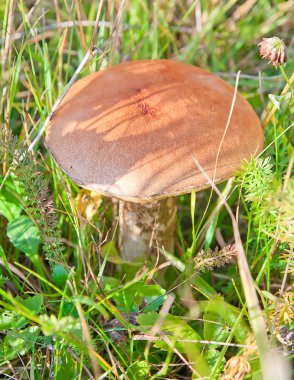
(273, 49)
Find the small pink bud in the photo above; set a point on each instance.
(273, 49)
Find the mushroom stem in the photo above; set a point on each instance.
(145, 228)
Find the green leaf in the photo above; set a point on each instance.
(70, 310)
(24, 235)
(153, 303)
(128, 299)
(18, 343)
(15, 321)
(3, 280)
(147, 320)
(12, 320)
(84, 300)
(34, 304)
(59, 275)
(110, 253)
(212, 356)
(10, 206)
(182, 337)
(204, 287)
(138, 370)
(214, 327)
(218, 310)
(110, 283)
(7, 320)
(150, 290)
(154, 296)
(210, 233)
(66, 369)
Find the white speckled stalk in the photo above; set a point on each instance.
(145, 228)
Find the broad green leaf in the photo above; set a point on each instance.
(150, 290)
(34, 304)
(85, 301)
(211, 356)
(110, 282)
(24, 235)
(66, 369)
(70, 310)
(154, 296)
(15, 321)
(218, 310)
(182, 337)
(7, 320)
(147, 320)
(153, 303)
(128, 299)
(215, 327)
(18, 343)
(110, 253)
(10, 206)
(59, 275)
(138, 370)
(12, 320)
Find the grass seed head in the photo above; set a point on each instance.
(236, 368)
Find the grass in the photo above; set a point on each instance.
(69, 309)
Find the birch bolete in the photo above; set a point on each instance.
(132, 131)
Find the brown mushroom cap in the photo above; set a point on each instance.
(131, 131)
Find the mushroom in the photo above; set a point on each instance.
(132, 131)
